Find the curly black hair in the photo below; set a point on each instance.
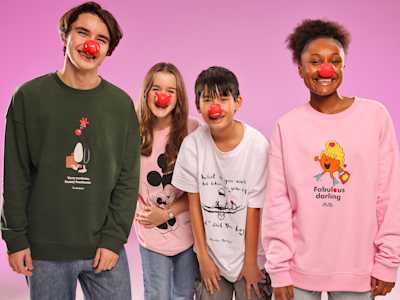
(309, 30)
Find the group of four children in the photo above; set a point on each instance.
(218, 206)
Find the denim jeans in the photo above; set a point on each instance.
(227, 289)
(57, 280)
(168, 277)
(300, 294)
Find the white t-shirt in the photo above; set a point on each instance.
(228, 183)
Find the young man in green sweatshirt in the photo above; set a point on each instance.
(71, 169)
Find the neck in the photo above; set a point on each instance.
(328, 104)
(228, 138)
(162, 123)
(78, 79)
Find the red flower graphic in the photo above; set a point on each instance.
(84, 122)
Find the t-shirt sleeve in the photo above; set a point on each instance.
(186, 167)
(257, 188)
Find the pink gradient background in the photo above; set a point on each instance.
(245, 36)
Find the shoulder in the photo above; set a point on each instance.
(197, 137)
(119, 95)
(293, 115)
(36, 85)
(193, 124)
(256, 139)
(371, 105)
(374, 110)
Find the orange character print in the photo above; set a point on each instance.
(332, 161)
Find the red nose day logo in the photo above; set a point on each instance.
(215, 111)
(91, 47)
(162, 99)
(326, 71)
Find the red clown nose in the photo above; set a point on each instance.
(162, 100)
(326, 71)
(215, 111)
(91, 47)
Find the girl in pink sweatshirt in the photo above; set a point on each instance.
(332, 217)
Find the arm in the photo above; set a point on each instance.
(153, 216)
(17, 186)
(116, 228)
(251, 271)
(186, 179)
(209, 271)
(277, 220)
(387, 241)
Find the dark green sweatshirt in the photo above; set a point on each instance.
(71, 169)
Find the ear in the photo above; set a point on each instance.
(238, 103)
(63, 38)
(300, 70)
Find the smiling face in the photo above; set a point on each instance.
(228, 106)
(321, 66)
(163, 87)
(87, 27)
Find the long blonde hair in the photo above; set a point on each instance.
(179, 128)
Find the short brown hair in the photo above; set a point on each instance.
(93, 8)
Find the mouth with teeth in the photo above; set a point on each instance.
(325, 81)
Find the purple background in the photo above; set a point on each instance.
(245, 36)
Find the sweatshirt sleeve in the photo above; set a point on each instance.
(117, 226)
(387, 241)
(17, 178)
(277, 232)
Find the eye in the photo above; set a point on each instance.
(315, 62)
(154, 88)
(171, 92)
(223, 99)
(102, 41)
(206, 99)
(82, 32)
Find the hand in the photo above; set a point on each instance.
(252, 276)
(104, 260)
(209, 274)
(284, 293)
(380, 287)
(21, 262)
(152, 216)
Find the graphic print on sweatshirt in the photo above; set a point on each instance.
(161, 178)
(78, 160)
(224, 208)
(332, 162)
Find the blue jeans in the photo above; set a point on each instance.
(57, 280)
(168, 277)
(300, 294)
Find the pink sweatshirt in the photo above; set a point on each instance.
(155, 189)
(332, 214)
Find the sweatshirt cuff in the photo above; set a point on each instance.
(281, 279)
(385, 273)
(111, 243)
(17, 244)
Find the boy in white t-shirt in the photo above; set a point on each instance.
(222, 167)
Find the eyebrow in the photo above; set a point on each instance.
(87, 31)
(169, 87)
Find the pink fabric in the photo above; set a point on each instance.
(332, 233)
(177, 236)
